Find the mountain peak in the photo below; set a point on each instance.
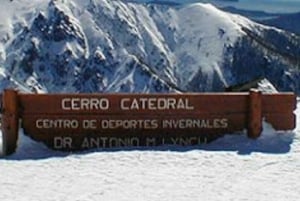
(114, 46)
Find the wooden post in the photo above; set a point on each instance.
(10, 121)
(255, 114)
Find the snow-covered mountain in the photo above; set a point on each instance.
(285, 21)
(118, 46)
(289, 22)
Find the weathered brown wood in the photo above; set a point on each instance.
(241, 110)
(255, 114)
(119, 125)
(71, 119)
(10, 121)
(177, 128)
(214, 103)
(219, 103)
(281, 121)
(279, 103)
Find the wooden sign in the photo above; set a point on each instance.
(82, 121)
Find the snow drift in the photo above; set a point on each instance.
(231, 168)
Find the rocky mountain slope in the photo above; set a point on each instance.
(117, 46)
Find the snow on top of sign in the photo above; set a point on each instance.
(265, 86)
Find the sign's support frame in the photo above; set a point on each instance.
(255, 114)
(11, 113)
(10, 121)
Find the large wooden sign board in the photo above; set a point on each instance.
(82, 121)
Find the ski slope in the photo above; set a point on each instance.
(231, 168)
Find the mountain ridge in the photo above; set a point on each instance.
(114, 46)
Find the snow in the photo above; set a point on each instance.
(267, 87)
(190, 47)
(18, 12)
(231, 168)
(176, 44)
(214, 30)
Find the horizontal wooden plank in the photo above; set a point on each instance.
(116, 131)
(279, 103)
(282, 121)
(151, 103)
(124, 103)
(135, 123)
(77, 121)
(155, 125)
(102, 131)
(96, 141)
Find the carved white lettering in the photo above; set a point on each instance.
(62, 143)
(108, 142)
(85, 104)
(89, 124)
(156, 104)
(195, 123)
(103, 142)
(150, 141)
(124, 104)
(56, 123)
(129, 124)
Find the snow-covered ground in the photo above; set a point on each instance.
(231, 168)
